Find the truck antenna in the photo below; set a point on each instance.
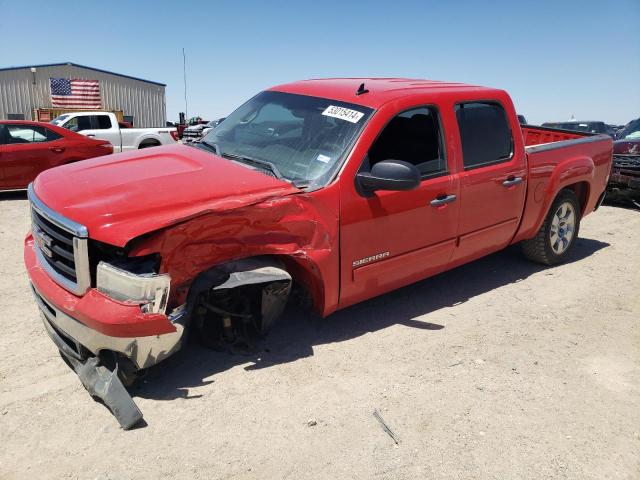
(361, 89)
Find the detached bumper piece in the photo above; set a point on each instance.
(98, 380)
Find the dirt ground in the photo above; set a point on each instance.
(500, 369)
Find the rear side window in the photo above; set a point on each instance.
(102, 122)
(485, 133)
(51, 135)
(413, 136)
(25, 134)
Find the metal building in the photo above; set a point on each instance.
(25, 94)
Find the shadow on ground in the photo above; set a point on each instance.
(629, 199)
(298, 331)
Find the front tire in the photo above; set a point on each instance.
(556, 237)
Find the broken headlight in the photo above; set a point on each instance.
(150, 290)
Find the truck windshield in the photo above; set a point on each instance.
(59, 120)
(305, 138)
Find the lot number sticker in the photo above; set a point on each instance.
(342, 113)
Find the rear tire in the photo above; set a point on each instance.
(557, 235)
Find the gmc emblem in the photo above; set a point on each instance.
(44, 242)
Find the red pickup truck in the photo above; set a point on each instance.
(334, 190)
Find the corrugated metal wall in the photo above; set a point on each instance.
(144, 101)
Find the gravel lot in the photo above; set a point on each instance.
(500, 369)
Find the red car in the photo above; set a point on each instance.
(333, 190)
(28, 148)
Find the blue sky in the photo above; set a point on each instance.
(556, 58)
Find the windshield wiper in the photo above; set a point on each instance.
(261, 163)
(209, 146)
(215, 148)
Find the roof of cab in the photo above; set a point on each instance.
(380, 90)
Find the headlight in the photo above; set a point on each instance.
(150, 290)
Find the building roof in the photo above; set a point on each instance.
(81, 66)
(380, 90)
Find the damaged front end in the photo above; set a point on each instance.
(230, 305)
(233, 304)
(97, 379)
(141, 297)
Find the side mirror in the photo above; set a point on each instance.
(393, 175)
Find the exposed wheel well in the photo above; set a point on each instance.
(234, 302)
(581, 189)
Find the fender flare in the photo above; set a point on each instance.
(566, 173)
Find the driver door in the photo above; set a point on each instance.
(392, 238)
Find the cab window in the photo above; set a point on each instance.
(101, 122)
(485, 134)
(413, 136)
(78, 124)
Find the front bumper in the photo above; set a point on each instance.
(93, 323)
(97, 379)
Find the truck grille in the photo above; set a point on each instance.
(61, 246)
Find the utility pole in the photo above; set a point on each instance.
(184, 70)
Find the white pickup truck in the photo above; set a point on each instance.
(105, 126)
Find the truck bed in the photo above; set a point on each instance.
(587, 157)
(535, 135)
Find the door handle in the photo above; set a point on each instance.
(442, 200)
(57, 149)
(509, 182)
(89, 135)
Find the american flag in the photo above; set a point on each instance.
(75, 93)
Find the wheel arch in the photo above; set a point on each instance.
(149, 142)
(303, 271)
(575, 174)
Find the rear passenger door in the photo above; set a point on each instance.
(101, 127)
(492, 184)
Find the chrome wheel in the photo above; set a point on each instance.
(563, 227)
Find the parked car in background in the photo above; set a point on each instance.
(181, 127)
(105, 126)
(196, 132)
(628, 138)
(582, 126)
(625, 172)
(212, 125)
(28, 148)
(341, 188)
(627, 146)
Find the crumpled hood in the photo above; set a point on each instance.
(120, 197)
